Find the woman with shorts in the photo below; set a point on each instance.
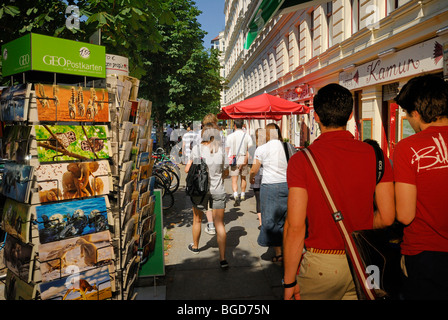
(211, 151)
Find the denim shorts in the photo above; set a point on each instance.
(212, 201)
(274, 204)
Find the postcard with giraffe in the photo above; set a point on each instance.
(71, 103)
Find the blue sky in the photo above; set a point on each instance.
(212, 18)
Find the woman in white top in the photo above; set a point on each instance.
(211, 151)
(273, 189)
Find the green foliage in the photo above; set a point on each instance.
(125, 24)
(183, 81)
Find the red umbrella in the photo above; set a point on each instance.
(223, 115)
(264, 106)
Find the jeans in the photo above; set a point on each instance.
(274, 204)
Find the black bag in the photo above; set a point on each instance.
(197, 181)
(381, 248)
(366, 248)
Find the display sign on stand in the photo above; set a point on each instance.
(155, 263)
(35, 52)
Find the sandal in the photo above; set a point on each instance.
(278, 258)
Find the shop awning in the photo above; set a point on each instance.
(264, 106)
(294, 5)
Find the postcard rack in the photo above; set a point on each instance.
(78, 203)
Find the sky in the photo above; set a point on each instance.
(212, 18)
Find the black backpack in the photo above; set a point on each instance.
(197, 182)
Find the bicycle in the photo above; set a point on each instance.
(162, 182)
(171, 168)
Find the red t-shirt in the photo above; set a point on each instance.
(349, 168)
(422, 160)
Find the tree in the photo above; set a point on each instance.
(119, 20)
(183, 81)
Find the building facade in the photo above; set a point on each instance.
(371, 47)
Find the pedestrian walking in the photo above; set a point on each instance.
(349, 168)
(273, 156)
(210, 149)
(421, 182)
(189, 139)
(237, 147)
(255, 181)
(211, 118)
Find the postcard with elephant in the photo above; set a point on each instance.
(71, 103)
(63, 181)
(66, 142)
(93, 284)
(62, 258)
(61, 220)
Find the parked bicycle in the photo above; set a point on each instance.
(166, 173)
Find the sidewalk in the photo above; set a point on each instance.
(188, 276)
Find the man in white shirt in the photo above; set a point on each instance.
(189, 139)
(238, 144)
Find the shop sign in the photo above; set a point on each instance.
(424, 57)
(117, 65)
(50, 54)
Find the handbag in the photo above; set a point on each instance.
(358, 259)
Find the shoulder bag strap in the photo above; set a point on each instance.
(285, 146)
(351, 249)
(239, 148)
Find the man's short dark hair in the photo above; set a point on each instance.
(239, 123)
(428, 95)
(333, 104)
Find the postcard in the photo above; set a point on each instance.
(71, 181)
(59, 259)
(61, 220)
(93, 284)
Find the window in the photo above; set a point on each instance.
(391, 5)
(329, 13)
(312, 32)
(355, 15)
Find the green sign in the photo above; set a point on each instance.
(155, 264)
(50, 54)
(16, 56)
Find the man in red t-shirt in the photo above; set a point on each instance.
(421, 185)
(349, 168)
